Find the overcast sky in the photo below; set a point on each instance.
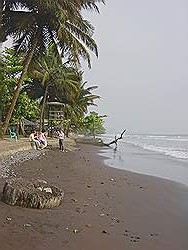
(142, 70)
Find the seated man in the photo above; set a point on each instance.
(34, 141)
(42, 139)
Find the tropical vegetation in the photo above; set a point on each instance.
(49, 40)
(93, 124)
(49, 80)
(11, 67)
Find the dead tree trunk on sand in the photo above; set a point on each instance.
(32, 194)
(115, 140)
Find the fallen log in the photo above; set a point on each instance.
(32, 194)
(115, 140)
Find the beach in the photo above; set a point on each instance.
(103, 208)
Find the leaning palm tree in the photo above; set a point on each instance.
(42, 22)
(44, 71)
(54, 76)
(72, 6)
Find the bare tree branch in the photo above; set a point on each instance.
(116, 139)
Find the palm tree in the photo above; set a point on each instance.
(76, 107)
(72, 6)
(52, 79)
(61, 83)
(85, 98)
(44, 70)
(43, 22)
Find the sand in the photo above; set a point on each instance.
(103, 208)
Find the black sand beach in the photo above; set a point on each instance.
(103, 207)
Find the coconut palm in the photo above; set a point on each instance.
(55, 78)
(63, 84)
(76, 107)
(43, 22)
(72, 6)
(85, 98)
(45, 73)
(52, 77)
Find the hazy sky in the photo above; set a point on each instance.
(142, 70)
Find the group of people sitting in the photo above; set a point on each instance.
(38, 140)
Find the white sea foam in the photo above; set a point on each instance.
(178, 154)
(165, 148)
(160, 137)
(174, 146)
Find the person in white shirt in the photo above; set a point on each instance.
(42, 139)
(61, 137)
(34, 141)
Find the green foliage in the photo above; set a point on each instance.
(36, 24)
(76, 106)
(1, 91)
(11, 67)
(60, 82)
(93, 124)
(26, 108)
(58, 22)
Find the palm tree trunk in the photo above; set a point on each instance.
(1, 112)
(21, 126)
(1, 29)
(19, 84)
(43, 108)
(2, 35)
(1, 48)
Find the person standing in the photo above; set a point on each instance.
(61, 137)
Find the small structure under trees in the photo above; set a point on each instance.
(55, 114)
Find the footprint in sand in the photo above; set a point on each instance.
(135, 238)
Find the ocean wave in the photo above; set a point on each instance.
(179, 153)
(167, 138)
(175, 146)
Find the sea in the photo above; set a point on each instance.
(163, 156)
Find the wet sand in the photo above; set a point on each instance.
(103, 208)
(143, 161)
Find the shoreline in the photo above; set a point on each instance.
(104, 207)
(148, 163)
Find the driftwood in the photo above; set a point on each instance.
(115, 140)
(99, 141)
(32, 194)
(90, 140)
